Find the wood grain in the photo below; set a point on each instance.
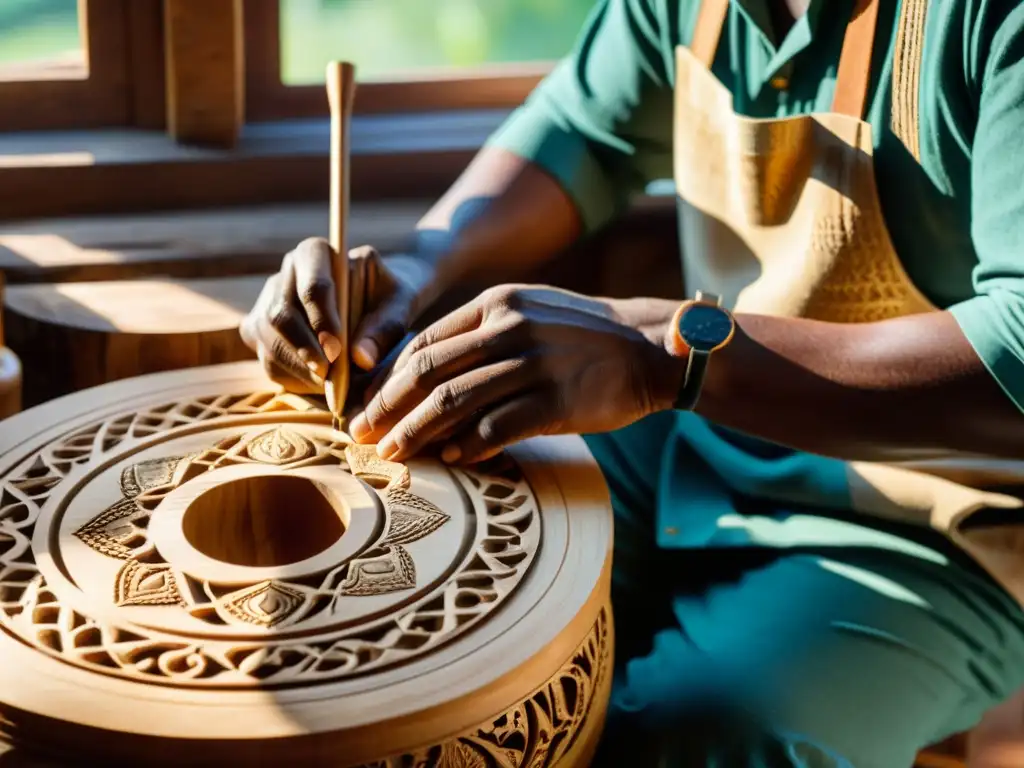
(72, 336)
(189, 244)
(204, 43)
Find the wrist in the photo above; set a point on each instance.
(667, 372)
(419, 276)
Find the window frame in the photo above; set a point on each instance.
(411, 139)
(103, 97)
(268, 98)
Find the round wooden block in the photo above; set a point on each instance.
(72, 336)
(10, 383)
(10, 371)
(195, 569)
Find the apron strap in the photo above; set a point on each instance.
(906, 75)
(854, 62)
(708, 30)
(854, 73)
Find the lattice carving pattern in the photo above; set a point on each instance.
(32, 611)
(539, 730)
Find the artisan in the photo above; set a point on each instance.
(790, 452)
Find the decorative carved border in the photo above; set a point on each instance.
(540, 729)
(31, 612)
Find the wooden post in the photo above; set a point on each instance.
(205, 70)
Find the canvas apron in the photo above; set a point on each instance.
(782, 217)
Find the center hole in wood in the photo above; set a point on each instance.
(265, 521)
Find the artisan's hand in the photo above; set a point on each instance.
(294, 326)
(521, 361)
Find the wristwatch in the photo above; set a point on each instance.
(700, 327)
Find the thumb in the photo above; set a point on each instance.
(387, 308)
(380, 331)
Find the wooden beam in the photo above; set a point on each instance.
(204, 41)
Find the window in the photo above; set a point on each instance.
(395, 39)
(41, 38)
(66, 64)
(79, 65)
(410, 55)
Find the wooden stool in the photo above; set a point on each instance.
(72, 336)
(198, 570)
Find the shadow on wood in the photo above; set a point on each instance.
(72, 336)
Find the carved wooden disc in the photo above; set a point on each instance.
(197, 566)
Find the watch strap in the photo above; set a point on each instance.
(693, 381)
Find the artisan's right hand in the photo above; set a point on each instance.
(294, 326)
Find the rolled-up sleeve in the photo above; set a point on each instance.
(600, 123)
(993, 321)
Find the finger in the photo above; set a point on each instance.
(530, 415)
(286, 378)
(317, 293)
(453, 403)
(260, 336)
(384, 313)
(380, 283)
(379, 331)
(357, 265)
(249, 327)
(287, 318)
(278, 350)
(383, 371)
(466, 318)
(409, 385)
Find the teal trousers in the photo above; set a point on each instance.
(843, 643)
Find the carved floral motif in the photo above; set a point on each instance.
(266, 604)
(392, 569)
(121, 531)
(411, 517)
(279, 446)
(31, 611)
(141, 584)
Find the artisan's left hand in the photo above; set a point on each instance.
(521, 361)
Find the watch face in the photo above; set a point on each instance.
(704, 327)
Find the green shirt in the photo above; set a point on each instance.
(601, 123)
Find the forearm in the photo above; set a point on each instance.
(503, 218)
(902, 387)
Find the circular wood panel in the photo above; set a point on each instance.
(196, 569)
(72, 336)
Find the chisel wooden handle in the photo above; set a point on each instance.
(341, 84)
